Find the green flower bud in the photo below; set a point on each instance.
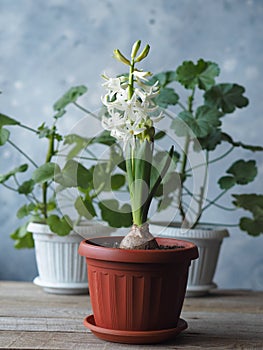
(119, 56)
(135, 48)
(143, 54)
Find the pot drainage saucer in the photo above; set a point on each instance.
(134, 337)
(62, 288)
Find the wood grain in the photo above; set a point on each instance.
(32, 319)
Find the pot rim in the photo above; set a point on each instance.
(174, 229)
(90, 250)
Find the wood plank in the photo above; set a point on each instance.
(33, 319)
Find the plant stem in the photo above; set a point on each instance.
(213, 202)
(86, 111)
(23, 153)
(49, 156)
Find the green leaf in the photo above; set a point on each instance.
(5, 120)
(60, 226)
(117, 181)
(25, 210)
(116, 216)
(164, 203)
(45, 172)
(201, 74)
(104, 138)
(166, 97)
(21, 169)
(159, 135)
(243, 172)
(22, 238)
(210, 141)
(69, 97)
(74, 174)
(226, 182)
(254, 204)
(199, 126)
(85, 208)
(164, 78)
(226, 97)
(4, 136)
(26, 187)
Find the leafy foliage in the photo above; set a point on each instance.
(254, 204)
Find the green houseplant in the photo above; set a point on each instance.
(199, 124)
(44, 225)
(140, 280)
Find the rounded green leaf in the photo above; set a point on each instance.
(243, 171)
(5, 120)
(45, 172)
(226, 182)
(60, 226)
(4, 136)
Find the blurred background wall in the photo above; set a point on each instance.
(49, 46)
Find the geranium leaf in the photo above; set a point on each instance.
(166, 97)
(116, 216)
(60, 226)
(4, 136)
(21, 169)
(70, 96)
(201, 74)
(163, 78)
(117, 181)
(45, 172)
(243, 171)
(226, 97)
(5, 120)
(26, 187)
(85, 208)
(226, 182)
(253, 203)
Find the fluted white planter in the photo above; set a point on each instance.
(208, 240)
(61, 269)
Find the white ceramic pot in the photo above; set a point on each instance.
(208, 240)
(61, 269)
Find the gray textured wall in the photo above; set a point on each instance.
(48, 46)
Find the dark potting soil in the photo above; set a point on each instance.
(116, 244)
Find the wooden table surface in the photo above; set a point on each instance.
(33, 319)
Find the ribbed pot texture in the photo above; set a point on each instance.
(137, 289)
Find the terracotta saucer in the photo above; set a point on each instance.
(134, 337)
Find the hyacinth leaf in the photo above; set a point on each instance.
(4, 136)
(226, 97)
(22, 238)
(166, 97)
(201, 74)
(115, 215)
(45, 172)
(85, 208)
(5, 120)
(254, 204)
(243, 171)
(69, 97)
(60, 226)
(21, 169)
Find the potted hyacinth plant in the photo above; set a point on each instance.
(140, 280)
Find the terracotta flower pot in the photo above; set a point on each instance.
(137, 290)
(208, 239)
